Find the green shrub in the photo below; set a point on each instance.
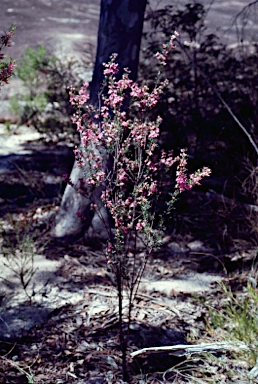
(33, 62)
(238, 319)
(46, 104)
(19, 253)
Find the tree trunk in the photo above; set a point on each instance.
(120, 31)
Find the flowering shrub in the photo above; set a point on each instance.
(119, 154)
(6, 68)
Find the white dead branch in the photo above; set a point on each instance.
(188, 350)
(253, 374)
(226, 200)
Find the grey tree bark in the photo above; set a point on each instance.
(120, 31)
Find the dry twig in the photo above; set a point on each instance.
(188, 350)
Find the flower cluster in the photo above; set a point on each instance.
(184, 182)
(6, 68)
(166, 48)
(119, 129)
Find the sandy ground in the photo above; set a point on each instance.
(70, 27)
(48, 287)
(64, 26)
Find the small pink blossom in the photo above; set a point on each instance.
(162, 56)
(140, 225)
(196, 177)
(111, 67)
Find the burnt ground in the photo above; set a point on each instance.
(65, 329)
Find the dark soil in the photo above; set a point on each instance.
(33, 176)
(80, 343)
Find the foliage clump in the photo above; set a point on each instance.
(211, 109)
(45, 104)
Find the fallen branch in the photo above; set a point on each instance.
(188, 350)
(253, 373)
(221, 198)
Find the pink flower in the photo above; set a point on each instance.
(196, 177)
(166, 48)
(124, 83)
(111, 67)
(122, 177)
(140, 225)
(182, 183)
(154, 132)
(82, 98)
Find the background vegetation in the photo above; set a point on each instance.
(211, 109)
